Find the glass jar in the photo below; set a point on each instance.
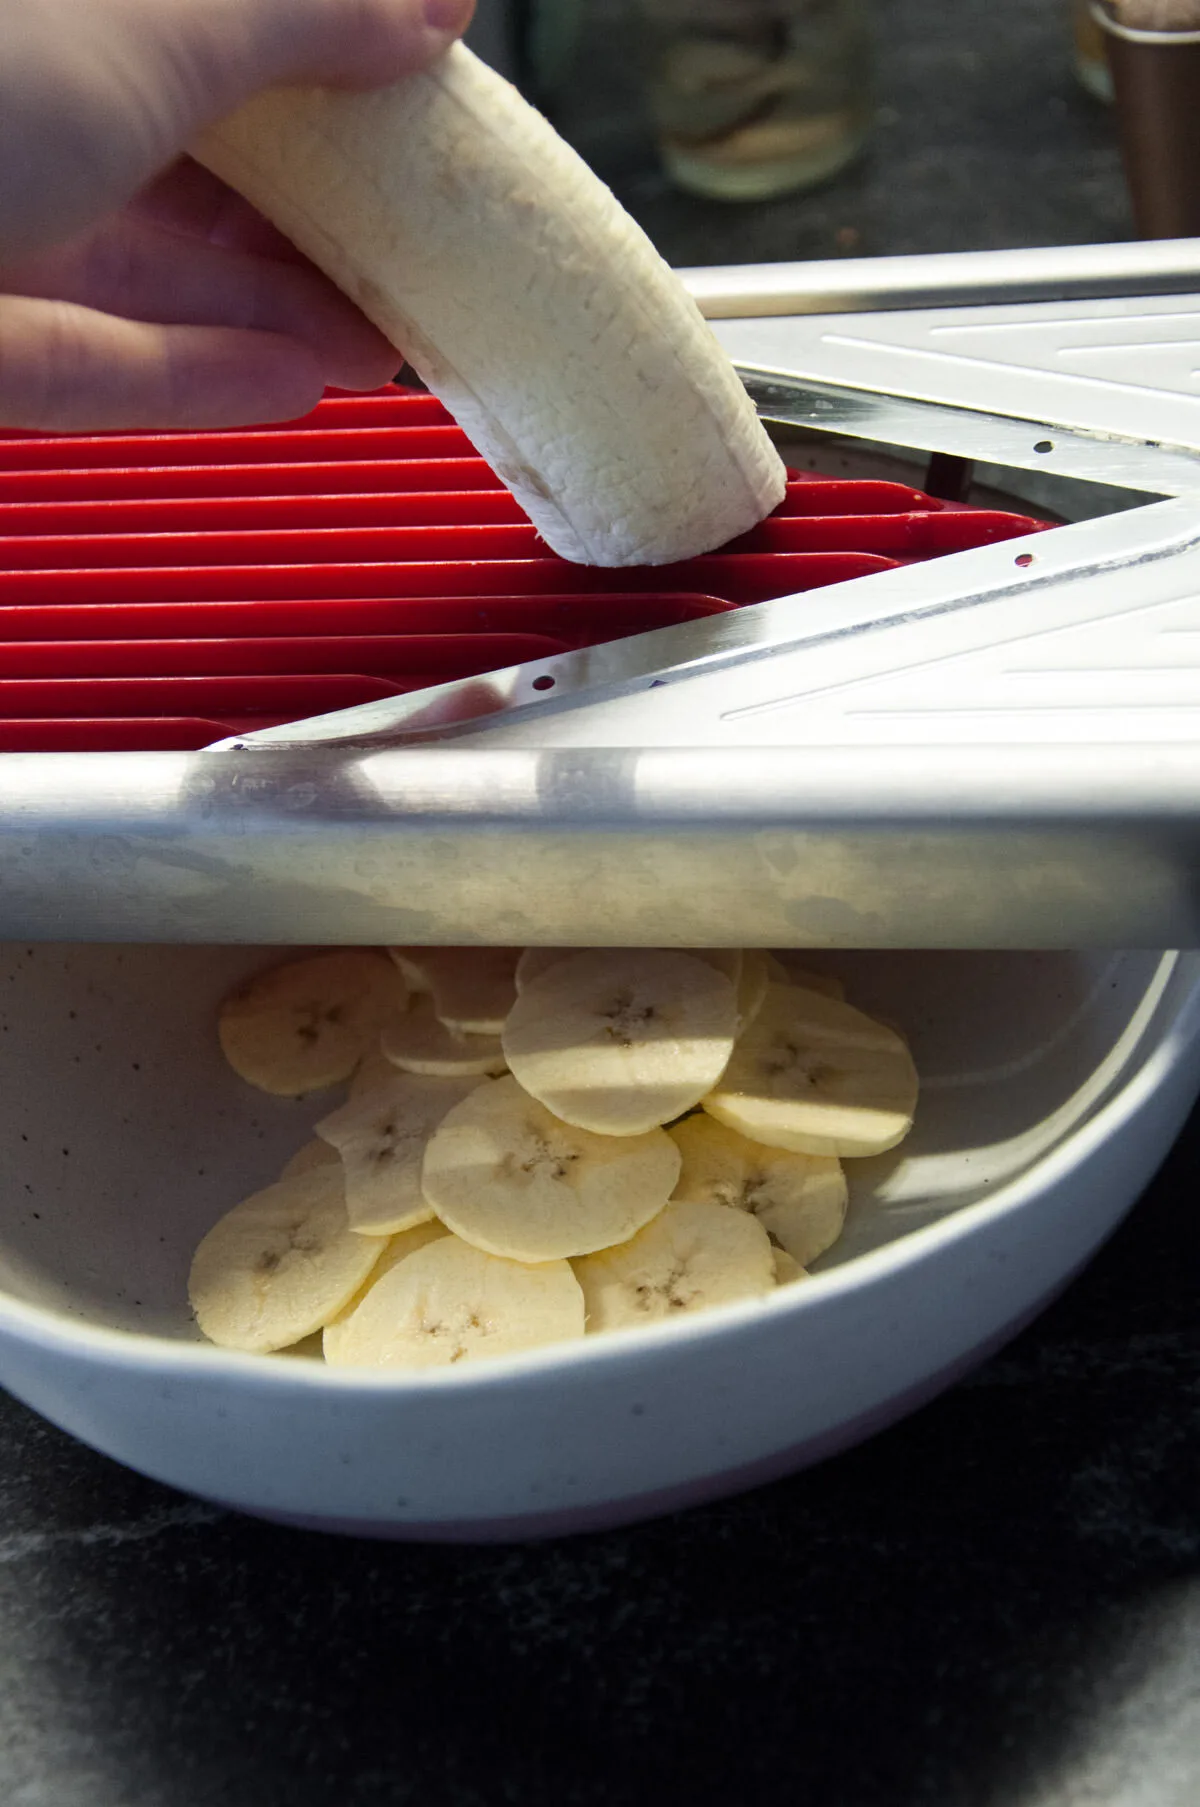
(1091, 58)
(753, 98)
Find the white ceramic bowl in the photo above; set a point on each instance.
(1053, 1085)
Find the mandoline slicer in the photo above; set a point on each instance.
(948, 696)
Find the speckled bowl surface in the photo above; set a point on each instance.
(1052, 1087)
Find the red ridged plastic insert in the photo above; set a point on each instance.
(163, 590)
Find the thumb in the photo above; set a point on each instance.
(225, 50)
(98, 96)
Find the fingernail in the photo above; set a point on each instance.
(449, 15)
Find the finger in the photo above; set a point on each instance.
(94, 101)
(251, 44)
(187, 198)
(140, 271)
(65, 368)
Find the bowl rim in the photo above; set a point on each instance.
(1164, 1041)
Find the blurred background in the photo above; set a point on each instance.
(760, 130)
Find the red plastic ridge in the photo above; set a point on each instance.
(162, 590)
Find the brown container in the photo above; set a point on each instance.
(1156, 86)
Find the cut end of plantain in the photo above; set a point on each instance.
(305, 1025)
(397, 1249)
(505, 1174)
(799, 1199)
(619, 1041)
(381, 1138)
(816, 1075)
(420, 1042)
(279, 1265)
(471, 989)
(690, 1257)
(449, 1303)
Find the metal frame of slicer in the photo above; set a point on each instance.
(1001, 748)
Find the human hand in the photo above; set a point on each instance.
(136, 290)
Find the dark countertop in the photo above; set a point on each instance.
(996, 1604)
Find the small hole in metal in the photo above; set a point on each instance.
(1044, 445)
(1023, 558)
(543, 683)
